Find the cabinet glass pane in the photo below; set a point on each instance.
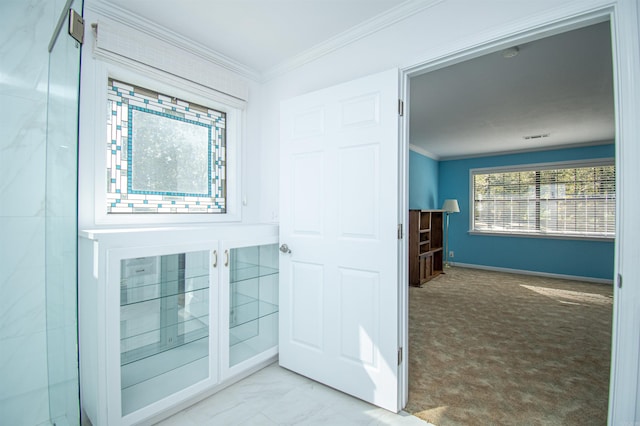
(164, 326)
(253, 304)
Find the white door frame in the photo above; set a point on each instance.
(623, 16)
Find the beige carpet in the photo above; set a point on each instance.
(489, 348)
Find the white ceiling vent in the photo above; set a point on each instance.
(541, 136)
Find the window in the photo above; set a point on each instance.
(164, 155)
(553, 200)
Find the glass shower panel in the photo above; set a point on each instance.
(253, 304)
(164, 326)
(61, 224)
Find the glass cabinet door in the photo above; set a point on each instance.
(164, 326)
(253, 301)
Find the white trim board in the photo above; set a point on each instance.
(423, 152)
(526, 151)
(379, 22)
(533, 273)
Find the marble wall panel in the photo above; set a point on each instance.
(25, 30)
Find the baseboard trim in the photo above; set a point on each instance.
(535, 273)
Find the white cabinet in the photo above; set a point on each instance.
(164, 321)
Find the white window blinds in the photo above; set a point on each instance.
(115, 41)
(550, 200)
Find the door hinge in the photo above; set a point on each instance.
(399, 231)
(76, 26)
(399, 356)
(619, 280)
(400, 107)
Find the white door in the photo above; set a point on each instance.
(339, 218)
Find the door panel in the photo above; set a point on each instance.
(307, 305)
(358, 324)
(307, 177)
(339, 198)
(359, 190)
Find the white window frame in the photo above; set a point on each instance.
(150, 78)
(533, 167)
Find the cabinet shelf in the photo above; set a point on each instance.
(131, 351)
(146, 275)
(141, 318)
(141, 299)
(249, 309)
(163, 374)
(130, 293)
(157, 351)
(433, 250)
(247, 271)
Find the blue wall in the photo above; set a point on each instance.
(584, 258)
(423, 182)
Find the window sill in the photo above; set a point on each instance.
(544, 236)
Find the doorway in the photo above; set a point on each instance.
(507, 51)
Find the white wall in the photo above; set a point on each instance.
(446, 27)
(452, 27)
(25, 30)
(253, 158)
(95, 70)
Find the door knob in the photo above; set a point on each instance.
(285, 248)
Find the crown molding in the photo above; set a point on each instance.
(527, 150)
(364, 29)
(422, 151)
(120, 15)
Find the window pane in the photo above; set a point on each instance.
(564, 201)
(164, 155)
(169, 156)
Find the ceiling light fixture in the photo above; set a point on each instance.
(510, 52)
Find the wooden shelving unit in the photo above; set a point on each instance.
(425, 245)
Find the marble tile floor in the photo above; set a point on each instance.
(276, 396)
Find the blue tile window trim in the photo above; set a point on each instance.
(122, 102)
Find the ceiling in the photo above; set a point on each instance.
(560, 86)
(260, 34)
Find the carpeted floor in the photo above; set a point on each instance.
(490, 348)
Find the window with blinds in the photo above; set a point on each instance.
(576, 200)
